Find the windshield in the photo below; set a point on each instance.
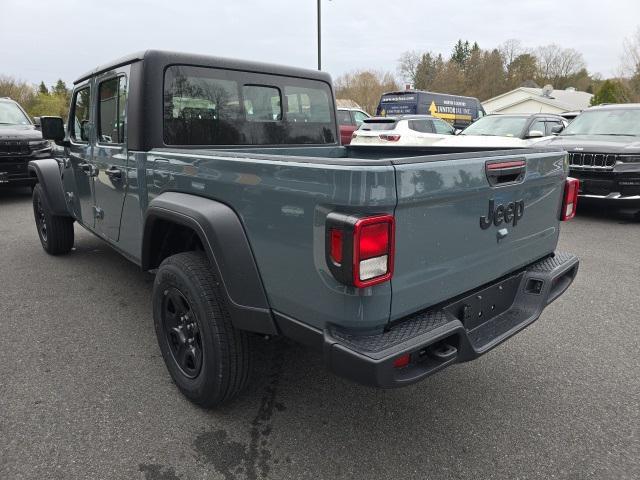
(11, 114)
(606, 122)
(497, 125)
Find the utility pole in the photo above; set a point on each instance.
(319, 37)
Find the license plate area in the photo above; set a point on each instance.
(487, 303)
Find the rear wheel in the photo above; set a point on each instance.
(206, 356)
(55, 232)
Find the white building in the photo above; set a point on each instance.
(538, 100)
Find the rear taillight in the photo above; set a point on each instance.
(360, 250)
(389, 138)
(570, 200)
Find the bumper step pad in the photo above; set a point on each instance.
(369, 358)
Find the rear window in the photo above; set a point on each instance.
(378, 125)
(208, 106)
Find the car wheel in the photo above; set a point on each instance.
(206, 356)
(55, 232)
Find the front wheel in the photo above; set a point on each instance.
(207, 357)
(55, 233)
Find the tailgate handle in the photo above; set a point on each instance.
(501, 173)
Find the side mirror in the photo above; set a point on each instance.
(557, 129)
(36, 122)
(535, 134)
(52, 129)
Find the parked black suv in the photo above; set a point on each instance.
(20, 141)
(604, 153)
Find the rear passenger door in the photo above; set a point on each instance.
(110, 151)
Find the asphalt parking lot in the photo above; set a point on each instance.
(84, 392)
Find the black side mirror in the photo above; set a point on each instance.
(52, 129)
(557, 129)
(36, 122)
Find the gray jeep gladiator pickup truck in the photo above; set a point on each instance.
(227, 180)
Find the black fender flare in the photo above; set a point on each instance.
(227, 247)
(48, 172)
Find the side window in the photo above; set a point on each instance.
(359, 117)
(344, 116)
(551, 125)
(422, 126)
(443, 127)
(312, 104)
(112, 101)
(262, 104)
(79, 122)
(537, 125)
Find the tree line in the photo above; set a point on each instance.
(485, 73)
(37, 100)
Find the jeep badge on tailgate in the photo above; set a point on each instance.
(507, 214)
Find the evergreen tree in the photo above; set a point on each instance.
(42, 89)
(611, 91)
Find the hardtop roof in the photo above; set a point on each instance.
(171, 58)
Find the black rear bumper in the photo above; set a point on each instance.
(459, 331)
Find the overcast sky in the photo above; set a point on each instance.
(50, 39)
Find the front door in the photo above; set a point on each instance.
(81, 155)
(110, 152)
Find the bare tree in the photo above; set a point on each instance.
(408, 66)
(365, 87)
(556, 64)
(510, 50)
(631, 55)
(20, 91)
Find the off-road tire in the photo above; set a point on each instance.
(55, 232)
(225, 354)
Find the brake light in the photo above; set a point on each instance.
(570, 200)
(389, 138)
(373, 250)
(360, 251)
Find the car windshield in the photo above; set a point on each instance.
(497, 125)
(11, 114)
(378, 125)
(622, 122)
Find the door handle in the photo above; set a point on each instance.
(114, 173)
(89, 169)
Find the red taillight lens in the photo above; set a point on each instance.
(570, 201)
(359, 251)
(402, 361)
(389, 138)
(373, 250)
(336, 245)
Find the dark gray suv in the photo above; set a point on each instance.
(20, 142)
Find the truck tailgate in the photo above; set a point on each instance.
(444, 248)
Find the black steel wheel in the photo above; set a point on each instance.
(55, 232)
(207, 357)
(182, 332)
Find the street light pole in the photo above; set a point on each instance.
(319, 38)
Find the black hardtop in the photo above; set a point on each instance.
(165, 58)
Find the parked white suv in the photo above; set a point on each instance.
(404, 130)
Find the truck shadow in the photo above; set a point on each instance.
(14, 195)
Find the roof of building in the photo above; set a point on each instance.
(569, 99)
